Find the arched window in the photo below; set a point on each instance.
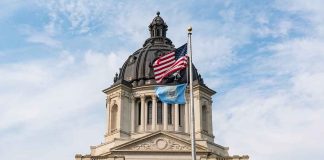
(113, 122)
(139, 113)
(159, 112)
(149, 112)
(204, 118)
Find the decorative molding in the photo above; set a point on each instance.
(114, 95)
(125, 94)
(131, 60)
(160, 143)
(114, 131)
(205, 133)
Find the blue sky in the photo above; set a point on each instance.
(264, 58)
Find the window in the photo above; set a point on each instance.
(180, 114)
(159, 112)
(204, 118)
(149, 112)
(139, 113)
(169, 113)
(113, 122)
(158, 32)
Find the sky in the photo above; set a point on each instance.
(264, 59)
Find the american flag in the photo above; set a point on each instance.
(170, 62)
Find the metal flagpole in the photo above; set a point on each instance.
(192, 119)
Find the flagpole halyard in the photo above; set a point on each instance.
(192, 117)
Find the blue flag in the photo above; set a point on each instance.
(172, 94)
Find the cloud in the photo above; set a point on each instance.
(8, 7)
(45, 36)
(265, 61)
(275, 111)
(311, 11)
(78, 17)
(53, 97)
(255, 124)
(45, 39)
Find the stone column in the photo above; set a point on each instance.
(198, 115)
(142, 112)
(154, 117)
(145, 116)
(186, 118)
(133, 120)
(176, 117)
(108, 111)
(210, 117)
(165, 116)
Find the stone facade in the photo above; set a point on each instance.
(139, 126)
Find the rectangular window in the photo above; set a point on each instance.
(139, 113)
(180, 114)
(159, 113)
(204, 118)
(149, 112)
(169, 113)
(158, 33)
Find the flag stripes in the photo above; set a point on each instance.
(170, 62)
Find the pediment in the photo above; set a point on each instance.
(158, 142)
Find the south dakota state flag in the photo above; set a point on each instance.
(172, 94)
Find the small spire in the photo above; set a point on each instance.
(158, 13)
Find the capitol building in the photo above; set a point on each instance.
(140, 127)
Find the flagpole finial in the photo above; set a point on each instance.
(190, 29)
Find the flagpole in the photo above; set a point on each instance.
(192, 117)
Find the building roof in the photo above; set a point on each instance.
(137, 69)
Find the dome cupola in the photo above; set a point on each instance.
(138, 71)
(158, 30)
(158, 27)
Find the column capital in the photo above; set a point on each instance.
(153, 97)
(142, 96)
(132, 97)
(210, 102)
(108, 99)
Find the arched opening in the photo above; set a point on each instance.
(113, 122)
(204, 118)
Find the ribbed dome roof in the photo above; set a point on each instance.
(138, 71)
